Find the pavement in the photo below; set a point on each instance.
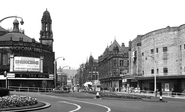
(43, 104)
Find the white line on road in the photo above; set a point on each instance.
(78, 106)
(108, 109)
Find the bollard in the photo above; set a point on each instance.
(161, 98)
(97, 95)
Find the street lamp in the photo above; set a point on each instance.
(22, 22)
(65, 66)
(55, 70)
(155, 90)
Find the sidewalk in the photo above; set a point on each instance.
(151, 94)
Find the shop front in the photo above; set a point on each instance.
(164, 83)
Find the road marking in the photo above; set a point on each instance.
(78, 106)
(108, 109)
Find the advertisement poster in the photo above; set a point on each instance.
(26, 64)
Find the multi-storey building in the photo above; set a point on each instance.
(24, 61)
(91, 69)
(61, 77)
(163, 56)
(134, 62)
(113, 65)
(80, 77)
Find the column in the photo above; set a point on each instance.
(11, 63)
(41, 64)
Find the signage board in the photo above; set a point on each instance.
(31, 75)
(26, 64)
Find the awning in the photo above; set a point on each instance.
(162, 77)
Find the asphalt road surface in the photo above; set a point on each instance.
(71, 104)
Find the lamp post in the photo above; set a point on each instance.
(22, 22)
(155, 89)
(55, 70)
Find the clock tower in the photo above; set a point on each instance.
(46, 34)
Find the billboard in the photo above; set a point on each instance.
(26, 64)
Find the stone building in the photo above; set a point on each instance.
(91, 68)
(113, 65)
(24, 62)
(163, 55)
(134, 62)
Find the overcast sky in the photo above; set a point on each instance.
(84, 27)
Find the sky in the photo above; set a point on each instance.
(86, 27)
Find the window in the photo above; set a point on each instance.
(157, 71)
(121, 63)
(165, 57)
(165, 49)
(125, 63)
(142, 53)
(152, 51)
(165, 70)
(114, 62)
(5, 59)
(180, 47)
(152, 71)
(156, 50)
(0, 60)
(184, 46)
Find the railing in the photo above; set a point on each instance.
(29, 89)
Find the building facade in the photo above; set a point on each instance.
(163, 55)
(91, 69)
(134, 62)
(113, 65)
(24, 62)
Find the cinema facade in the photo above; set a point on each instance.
(24, 62)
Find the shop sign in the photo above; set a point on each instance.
(26, 64)
(24, 48)
(31, 75)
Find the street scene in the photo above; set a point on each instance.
(84, 102)
(92, 56)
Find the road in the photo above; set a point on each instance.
(71, 104)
